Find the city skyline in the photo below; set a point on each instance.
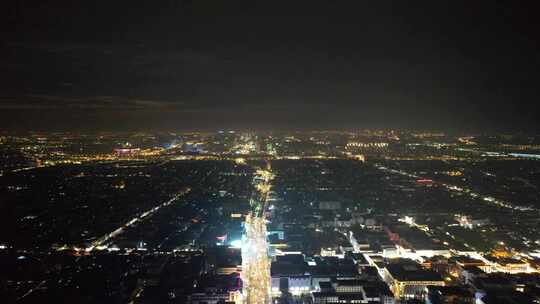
(258, 152)
(366, 216)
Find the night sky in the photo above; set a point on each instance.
(183, 65)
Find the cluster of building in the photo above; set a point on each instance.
(379, 260)
(334, 233)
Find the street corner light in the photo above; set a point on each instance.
(236, 244)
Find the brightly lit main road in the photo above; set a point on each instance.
(255, 259)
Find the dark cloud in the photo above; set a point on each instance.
(443, 64)
(48, 102)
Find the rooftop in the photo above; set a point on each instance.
(410, 271)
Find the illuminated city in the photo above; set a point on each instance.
(269, 152)
(301, 216)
